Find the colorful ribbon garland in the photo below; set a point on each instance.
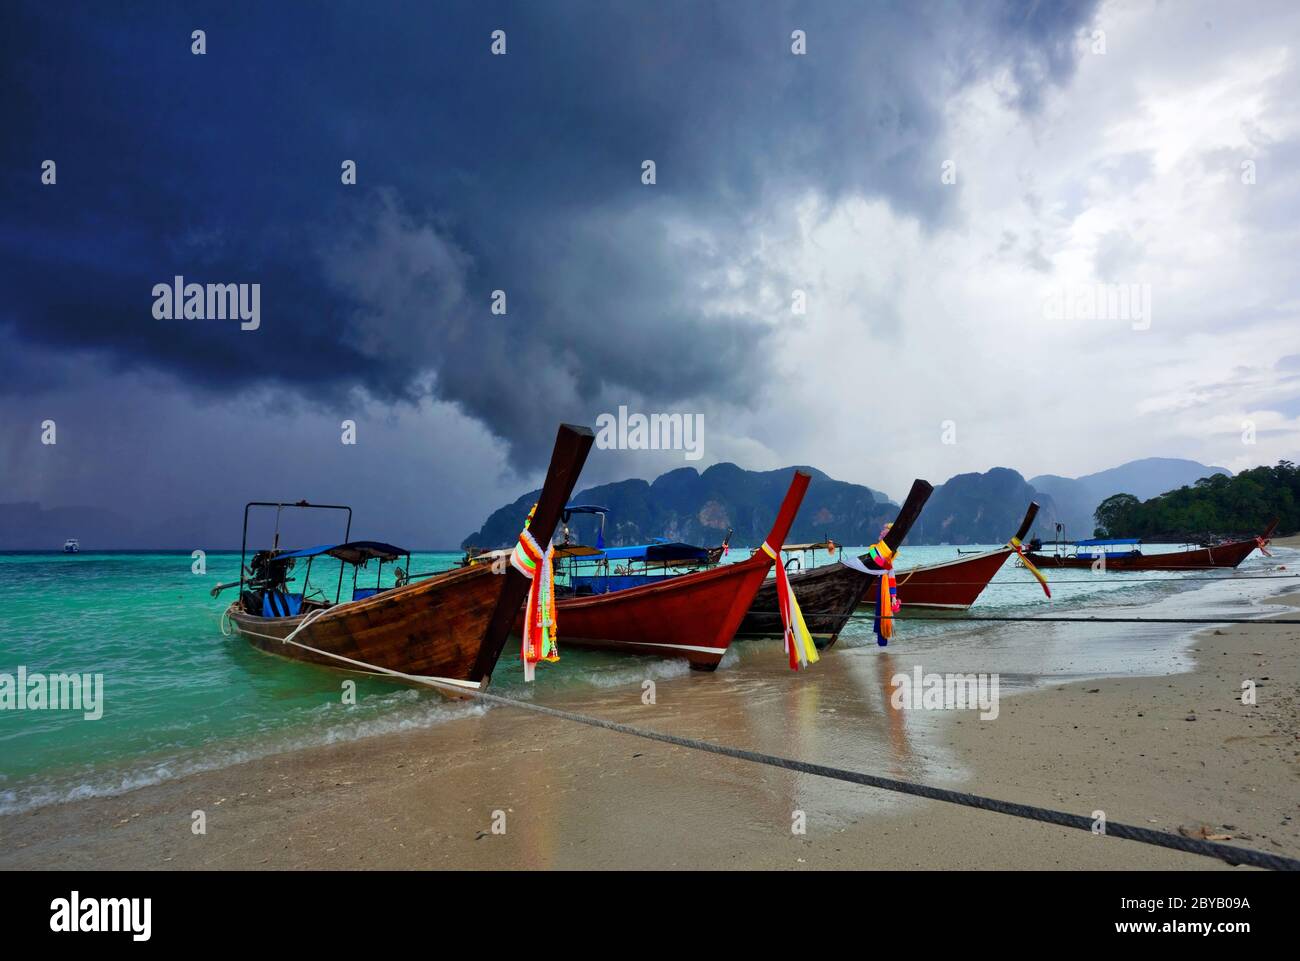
(1015, 545)
(539, 642)
(799, 646)
(883, 624)
(1262, 543)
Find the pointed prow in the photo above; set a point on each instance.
(1028, 522)
(572, 444)
(908, 513)
(789, 508)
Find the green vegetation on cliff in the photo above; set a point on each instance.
(1216, 505)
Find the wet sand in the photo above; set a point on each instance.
(1164, 751)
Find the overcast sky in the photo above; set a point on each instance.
(933, 178)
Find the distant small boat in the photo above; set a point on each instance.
(1125, 554)
(71, 546)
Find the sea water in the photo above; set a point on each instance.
(179, 696)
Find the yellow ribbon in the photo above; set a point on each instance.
(1015, 545)
(799, 644)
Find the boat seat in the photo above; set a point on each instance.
(361, 593)
(280, 604)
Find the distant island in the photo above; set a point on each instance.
(1165, 498)
(975, 508)
(700, 508)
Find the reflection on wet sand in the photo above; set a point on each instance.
(838, 713)
(896, 717)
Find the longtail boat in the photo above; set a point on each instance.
(829, 595)
(957, 584)
(1100, 555)
(450, 627)
(694, 615)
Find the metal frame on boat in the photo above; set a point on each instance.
(449, 627)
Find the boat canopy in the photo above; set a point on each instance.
(658, 551)
(584, 509)
(575, 550)
(353, 552)
(1111, 542)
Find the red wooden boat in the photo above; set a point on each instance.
(954, 584)
(1226, 555)
(828, 595)
(694, 616)
(450, 628)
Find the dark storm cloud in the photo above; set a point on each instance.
(476, 172)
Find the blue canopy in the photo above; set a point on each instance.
(1112, 542)
(658, 551)
(353, 552)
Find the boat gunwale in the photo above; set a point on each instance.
(439, 580)
(669, 583)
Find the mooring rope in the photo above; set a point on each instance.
(963, 617)
(1210, 849)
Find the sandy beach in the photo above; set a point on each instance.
(1171, 752)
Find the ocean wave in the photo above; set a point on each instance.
(113, 783)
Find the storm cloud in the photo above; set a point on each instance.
(476, 173)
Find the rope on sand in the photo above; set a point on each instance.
(1210, 849)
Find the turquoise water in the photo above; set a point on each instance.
(179, 696)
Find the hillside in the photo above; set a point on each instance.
(700, 508)
(1075, 499)
(1214, 506)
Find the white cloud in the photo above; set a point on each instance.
(1130, 174)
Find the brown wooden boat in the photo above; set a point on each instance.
(1225, 555)
(450, 627)
(828, 595)
(956, 584)
(694, 615)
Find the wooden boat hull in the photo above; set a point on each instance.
(954, 585)
(1203, 558)
(831, 594)
(694, 616)
(827, 595)
(432, 629)
(957, 584)
(449, 629)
